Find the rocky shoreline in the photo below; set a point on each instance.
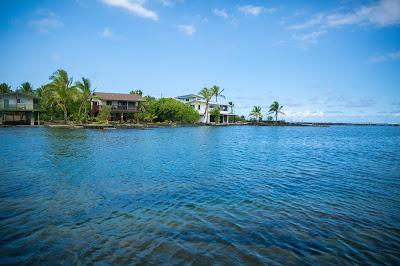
(176, 125)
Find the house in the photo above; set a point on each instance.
(123, 106)
(199, 104)
(19, 109)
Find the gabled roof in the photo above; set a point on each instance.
(109, 96)
(189, 96)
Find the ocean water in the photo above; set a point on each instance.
(200, 195)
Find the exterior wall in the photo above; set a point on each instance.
(25, 103)
(200, 107)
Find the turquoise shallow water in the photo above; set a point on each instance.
(230, 195)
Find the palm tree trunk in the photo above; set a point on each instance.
(276, 117)
(65, 115)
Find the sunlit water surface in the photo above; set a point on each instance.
(231, 195)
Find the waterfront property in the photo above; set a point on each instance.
(123, 106)
(199, 104)
(19, 109)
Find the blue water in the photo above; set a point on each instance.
(201, 195)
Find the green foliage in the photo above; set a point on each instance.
(26, 88)
(276, 109)
(270, 118)
(137, 92)
(5, 88)
(207, 94)
(256, 113)
(85, 96)
(60, 93)
(105, 113)
(169, 109)
(217, 92)
(216, 112)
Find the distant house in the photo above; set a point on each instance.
(123, 106)
(199, 104)
(19, 109)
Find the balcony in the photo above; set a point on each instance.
(118, 109)
(19, 107)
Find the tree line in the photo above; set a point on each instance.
(275, 109)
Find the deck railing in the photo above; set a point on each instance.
(19, 107)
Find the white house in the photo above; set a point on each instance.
(199, 104)
(19, 108)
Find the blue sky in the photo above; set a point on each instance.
(322, 60)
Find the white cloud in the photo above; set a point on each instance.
(386, 57)
(170, 2)
(309, 38)
(109, 34)
(134, 7)
(304, 114)
(381, 13)
(220, 13)
(187, 29)
(255, 10)
(46, 24)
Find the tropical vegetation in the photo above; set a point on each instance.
(275, 109)
(256, 113)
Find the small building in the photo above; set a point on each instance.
(199, 104)
(19, 109)
(123, 106)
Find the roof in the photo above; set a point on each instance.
(119, 96)
(188, 96)
(19, 94)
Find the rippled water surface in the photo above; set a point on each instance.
(253, 195)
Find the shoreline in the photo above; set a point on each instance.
(179, 125)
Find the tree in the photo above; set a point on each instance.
(216, 112)
(105, 112)
(137, 92)
(231, 105)
(60, 91)
(207, 94)
(256, 113)
(26, 88)
(169, 109)
(216, 91)
(275, 109)
(5, 88)
(85, 97)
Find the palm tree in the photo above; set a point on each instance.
(5, 88)
(231, 105)
(207, 94)
(137, 92)
(256, 113)
(86, 96)
(26, 88)
(275, 109)
(216, 91)
(60, 91)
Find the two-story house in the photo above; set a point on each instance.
(123, 106)
(19, 109)
(199, 104)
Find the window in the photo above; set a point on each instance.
(109, 102)
(21, 100)
(187, 99)
(198, 107)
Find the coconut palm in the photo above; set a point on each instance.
(207, 94)
(5, 88)
(137, 92)
(26, 88)
(275, 109)
(256, 113)
(60, 91)
(231, 105)
(217, 92)
(85, 95)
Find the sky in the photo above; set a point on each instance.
(335, 61)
